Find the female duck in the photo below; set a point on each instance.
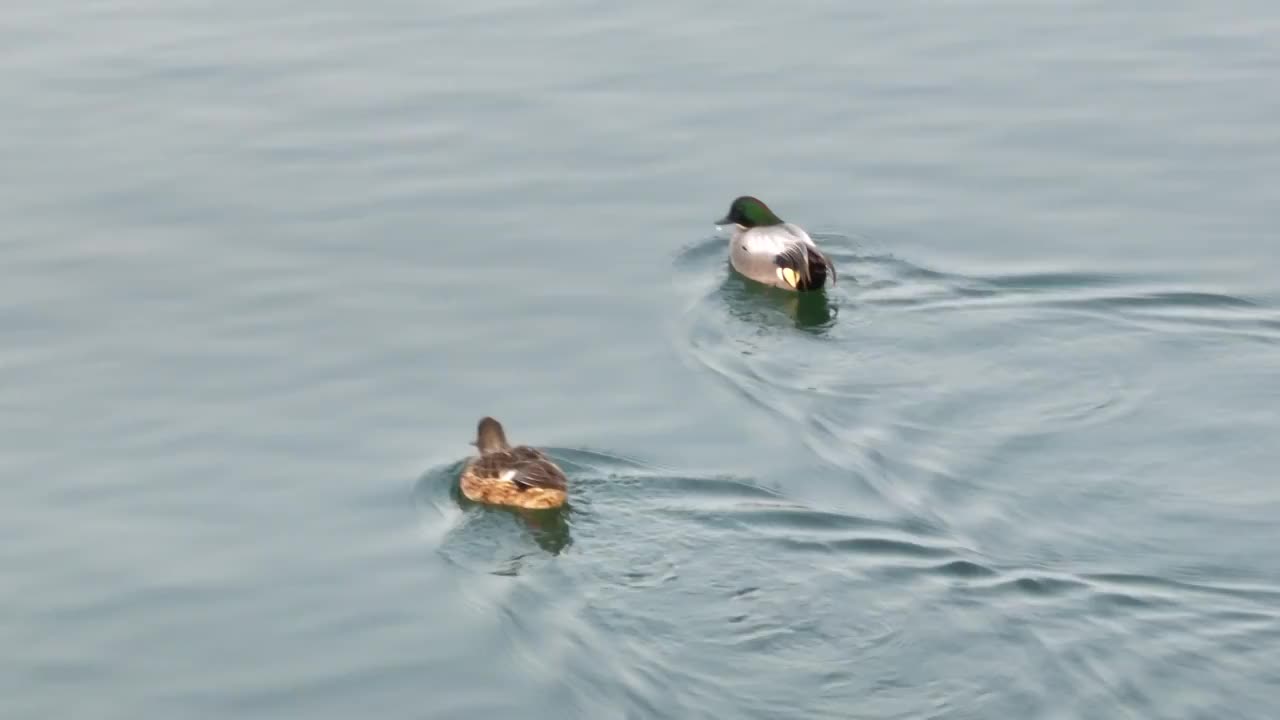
(516, 476)
(777, 253)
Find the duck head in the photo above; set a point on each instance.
(489, 436)
(749, 212)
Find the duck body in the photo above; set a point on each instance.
(764, 248)
(518, 476)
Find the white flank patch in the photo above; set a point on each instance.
(507, 475)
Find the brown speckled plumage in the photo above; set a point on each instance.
(516, 476)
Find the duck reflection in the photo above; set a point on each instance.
(753, 302)
(548, 528)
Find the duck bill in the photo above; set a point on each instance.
(726, 220)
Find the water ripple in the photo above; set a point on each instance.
(880, 381)
(746, 569)
(998, 421)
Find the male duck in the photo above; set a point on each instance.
(777, 253)
(516, 476)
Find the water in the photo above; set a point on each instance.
(264, 265)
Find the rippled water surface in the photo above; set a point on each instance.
(265, 265)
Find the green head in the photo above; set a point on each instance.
(749, 212)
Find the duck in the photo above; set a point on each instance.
(770, 251)
(520, 476)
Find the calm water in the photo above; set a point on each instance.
(265, 264)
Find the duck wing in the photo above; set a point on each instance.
(524, 466)
(808, 265)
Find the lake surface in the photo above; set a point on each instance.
(264, 265)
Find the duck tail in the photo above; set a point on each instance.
(820, 266)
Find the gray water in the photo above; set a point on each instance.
(265, 265)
